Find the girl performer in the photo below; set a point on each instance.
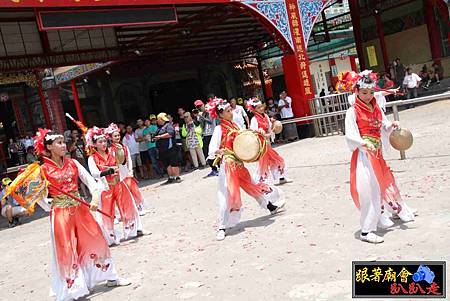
(372, 183)
(271, 161)
(233, 174)
(80, 255)
(123, 160)
(103, 166)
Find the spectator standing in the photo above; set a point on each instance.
(150, 132)
(322, 93)
(331, 90)
(285, 106)
(129, 140)
(28, 141)
(122, 129)
(194, 142)
(240, 116)
(76, 147)
(274, 113)
(399, 70)
(195, 116)
(143, 146)
(10, 209)
(208, 126)
(13, 152)
(31, 156)
(164, 138)
(249, 112)
(184, 152)
(272, 109)
(411, 82)
(75, 150)
(21, 152)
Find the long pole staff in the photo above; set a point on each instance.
(78, 199)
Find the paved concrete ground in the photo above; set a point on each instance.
(303, 254)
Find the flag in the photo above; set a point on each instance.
(29, 187)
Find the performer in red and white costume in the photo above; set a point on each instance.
(123, 158)
(80, 255)
(103, 166)
(233, 174)
(271, 161)
(373, 186)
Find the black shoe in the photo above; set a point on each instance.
(16, 221)
(178, 180)
(11, 225)
(169, 181)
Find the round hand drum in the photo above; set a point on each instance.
(277, 127)
(401, 139)
(249, 146)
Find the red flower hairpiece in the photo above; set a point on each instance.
(347, 81)
(39, 140)
(112, 128)
(92, 134)
(252, 103)
(214, 105)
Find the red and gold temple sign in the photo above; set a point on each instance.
(299, 47)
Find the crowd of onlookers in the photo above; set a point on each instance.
(165, 144)
(409, 82)
(402, 77)
(159, 145)
(21, 150)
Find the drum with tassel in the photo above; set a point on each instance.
(249, 146)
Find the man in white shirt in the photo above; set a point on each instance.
(285, 106)
(240, 117)
(411, 83)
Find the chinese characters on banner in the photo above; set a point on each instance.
(397, 279)
(300, 49)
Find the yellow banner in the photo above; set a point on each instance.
(372, 55)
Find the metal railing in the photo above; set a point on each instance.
(329, 104)
(393, 104)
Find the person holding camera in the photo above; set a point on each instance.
(193, 133)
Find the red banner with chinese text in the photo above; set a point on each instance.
(301, 57)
